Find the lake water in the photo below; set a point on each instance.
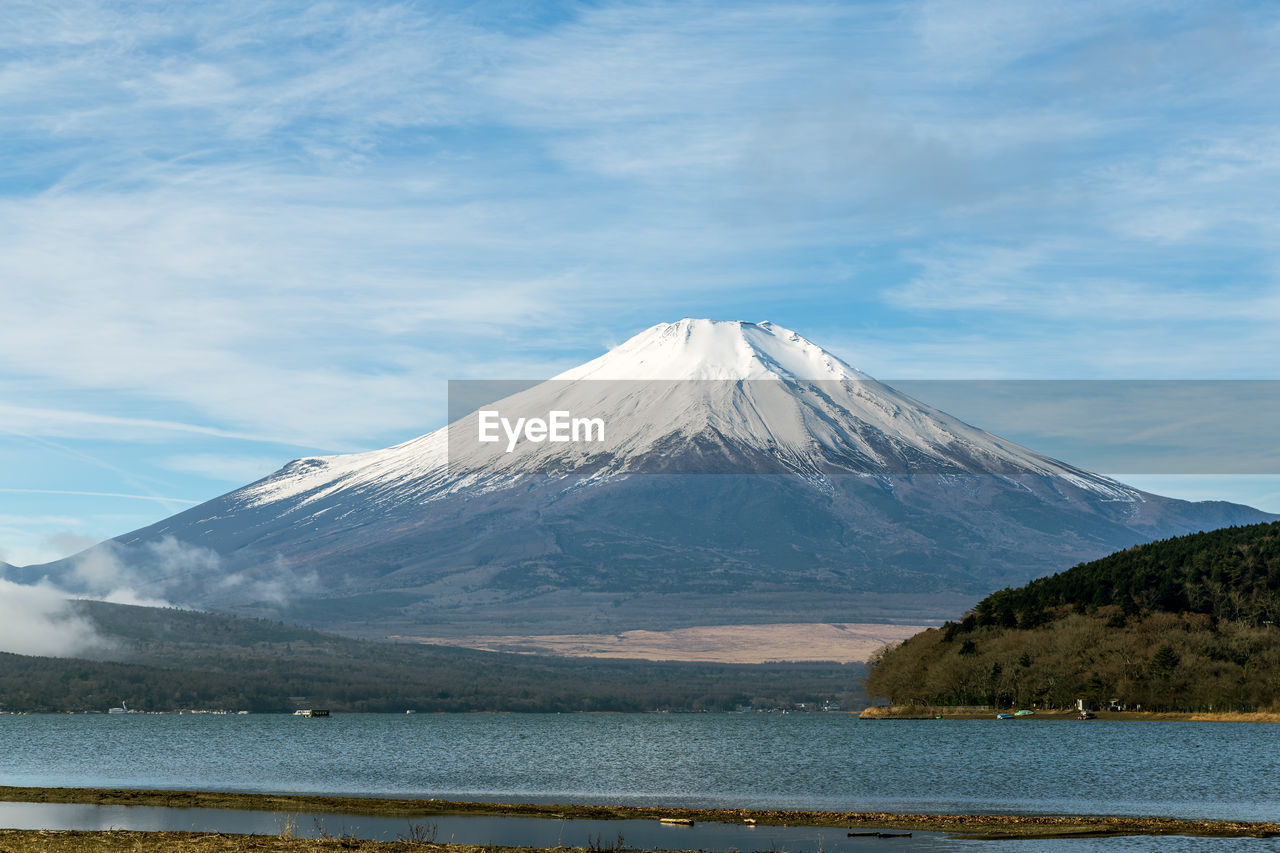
(816, 761)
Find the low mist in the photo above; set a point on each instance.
(41, 619)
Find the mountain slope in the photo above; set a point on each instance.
(749, 476)
(163, 659)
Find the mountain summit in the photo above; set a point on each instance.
(715, 349)
(696, 396)
(743, 474)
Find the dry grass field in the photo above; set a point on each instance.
(841, 642)
(117, 841)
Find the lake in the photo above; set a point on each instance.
(802, 761)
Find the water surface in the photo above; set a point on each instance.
(815, 761)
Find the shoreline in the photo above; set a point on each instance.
(130, 841)
(969, 826)
(924, 712)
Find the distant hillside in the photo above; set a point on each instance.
(1182, 624)
(164, 659)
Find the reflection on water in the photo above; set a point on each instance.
(507, 831)
(543, 832)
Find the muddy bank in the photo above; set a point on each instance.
(977, 826)
(119, 841)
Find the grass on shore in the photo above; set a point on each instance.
(928, 712)
(120, 841)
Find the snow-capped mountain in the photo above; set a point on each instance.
(757, 390)
(745, 475)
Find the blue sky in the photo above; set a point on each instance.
(233, 234)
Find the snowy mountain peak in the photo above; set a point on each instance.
(694, 349)
(711, 396)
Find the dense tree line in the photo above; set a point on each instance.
(1182, 624)
(1232, 574)
(173, 659)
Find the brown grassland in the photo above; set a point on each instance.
(842, 642)
(116, 841)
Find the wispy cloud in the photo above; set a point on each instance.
(97, 494)
(103, 572)
(275, 584)
(1040, 281)
(260, 229)
(70, 423)
(230, 468)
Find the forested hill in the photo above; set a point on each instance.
(1181, 624)
(1232, 573)
(163, 659)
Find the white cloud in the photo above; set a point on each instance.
(67, 543)
(124, 595)
(79, 424)
(176, 558)
(99, 571)
(1063, 282)
(260, 222)
(275, 585)
(33, 538)
(40, 620)
(104, 572)
(157, 498)
(231, 468)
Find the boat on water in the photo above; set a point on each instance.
(311, 712)
(1004, 716)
